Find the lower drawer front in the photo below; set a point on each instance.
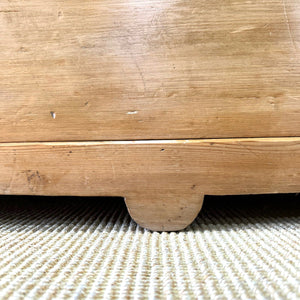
(119, 70)
(210, 167)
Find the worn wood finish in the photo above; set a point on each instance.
(131, 69)
(151, 174)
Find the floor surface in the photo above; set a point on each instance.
(241, 247)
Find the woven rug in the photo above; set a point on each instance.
(88, 248)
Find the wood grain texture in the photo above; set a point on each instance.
(131, 69)
(150, 174)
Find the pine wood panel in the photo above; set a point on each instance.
(131, 69)
(214, 167)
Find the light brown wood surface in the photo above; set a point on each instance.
(131, 69)
(163, 181)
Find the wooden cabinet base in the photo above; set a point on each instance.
(163, 181)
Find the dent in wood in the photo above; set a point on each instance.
(53, 114)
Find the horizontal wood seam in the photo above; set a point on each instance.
(158, 141)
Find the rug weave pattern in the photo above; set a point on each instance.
(67, 248)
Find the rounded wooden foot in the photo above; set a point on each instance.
(164, 211)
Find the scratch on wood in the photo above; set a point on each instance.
(9, 11)
(141, 74)
(113, 169)
(249, 150)
(7, 190)
(288, 24)
(244, 28)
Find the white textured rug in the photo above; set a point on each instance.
(78, 248)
